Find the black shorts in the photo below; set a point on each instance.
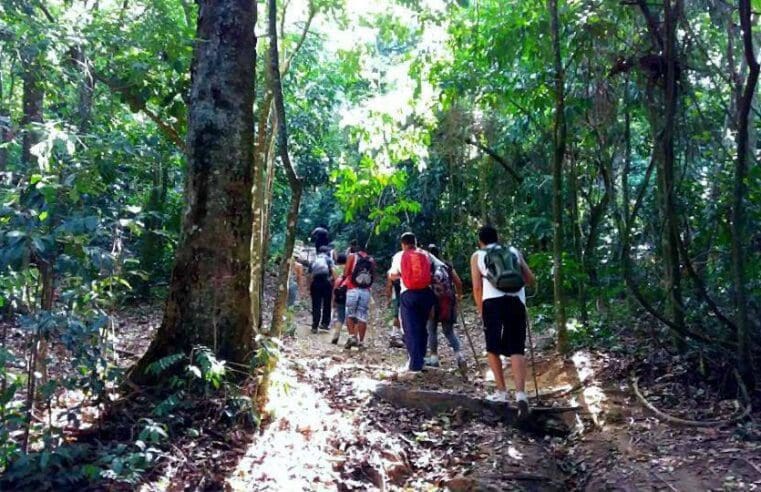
(505, 325)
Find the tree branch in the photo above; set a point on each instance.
(494, 155)
(137, 104)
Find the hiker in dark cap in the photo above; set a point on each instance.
(448, 289)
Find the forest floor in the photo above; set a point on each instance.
(327, 430)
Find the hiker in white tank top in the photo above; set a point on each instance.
(491, 292)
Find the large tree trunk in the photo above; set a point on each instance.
(209, 302)
(745, 364)
(278, 315)
(557, 180)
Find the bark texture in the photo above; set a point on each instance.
(742, 322)
(560, 131)
(209, 301)
(278, 315)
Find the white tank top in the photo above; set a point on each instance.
(491, 292)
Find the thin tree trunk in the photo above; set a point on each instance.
(209, 302)
(745, 363)
(86, 87)
(278, 316)
(573, 188)
(666, 180)
(33, 100)
(557, 181)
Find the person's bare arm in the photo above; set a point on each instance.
(528, 275)
(478, 288)
(394, 276)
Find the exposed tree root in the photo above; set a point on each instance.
(546, 420)
(694, 423)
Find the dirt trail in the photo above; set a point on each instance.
(328, 432)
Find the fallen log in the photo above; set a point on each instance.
(542, 420)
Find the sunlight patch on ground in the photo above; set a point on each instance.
(593, 395)
(293, 452)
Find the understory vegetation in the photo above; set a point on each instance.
(614, 143)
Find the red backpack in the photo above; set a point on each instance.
(416, 269)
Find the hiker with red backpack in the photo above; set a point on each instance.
(447, 287)
(358, 278)
(499, 274)
(414, 266)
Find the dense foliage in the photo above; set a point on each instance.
(434, 116)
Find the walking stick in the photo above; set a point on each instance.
(470, 340)
(531, 351)
(531, 345)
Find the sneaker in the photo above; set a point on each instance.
(334, 340)
(351, 342)
(395, 342)
(324, 328)
(361, 345)
(432, 361)
(523, 409)
(499, 396)
(314, 330)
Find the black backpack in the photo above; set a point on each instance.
(503, 269)
(362, 273)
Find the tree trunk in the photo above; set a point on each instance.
(33, 99)
(573, 187)
(209, 302)
(86, 87)
(278, 315)
(666, 180)
(5, 126)
(557, 181)
(745, 364)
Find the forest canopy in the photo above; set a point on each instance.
(175, 154)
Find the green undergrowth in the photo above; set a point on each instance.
(199, 399)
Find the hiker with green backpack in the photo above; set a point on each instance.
(499, 275)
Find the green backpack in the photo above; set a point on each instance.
(503, 269)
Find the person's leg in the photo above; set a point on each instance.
(515, 341)
(448, 328)
(316, 295)
(518, 368)
(327, 301)
(495, 364)
(433, 339)
(363, 313)
(414, 316)
(493, 337)
(423, 303)
(406, 316)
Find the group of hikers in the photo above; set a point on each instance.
(425, 291)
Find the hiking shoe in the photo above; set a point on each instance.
(432, 361)
(361, 345)
(351, 342)
(395, 342)
(314, 330)
(334, 340)
(523, 409)
(324, 328)
(498, 396)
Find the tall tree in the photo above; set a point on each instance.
(209, 302)
(738, 213)
(293, 179)
(559, 140)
